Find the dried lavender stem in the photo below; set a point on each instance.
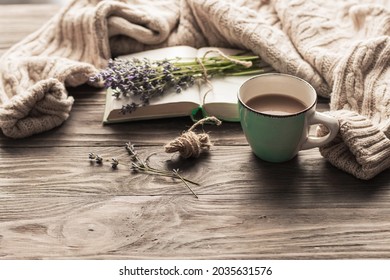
(176, 172)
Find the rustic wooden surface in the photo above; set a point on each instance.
(56, 204)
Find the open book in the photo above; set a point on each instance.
(217, 98)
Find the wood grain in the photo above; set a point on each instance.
(66, 172)
(57, 204)
(212, 227)
(70, 208)
(18, 21)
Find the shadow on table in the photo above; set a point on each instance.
(313, 179)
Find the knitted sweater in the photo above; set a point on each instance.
(341, 47)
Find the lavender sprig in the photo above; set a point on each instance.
(139, 165)
(146, 79)
(143, 165)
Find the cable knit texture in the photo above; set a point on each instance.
(341, 47)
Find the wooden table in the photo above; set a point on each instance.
(56, 204)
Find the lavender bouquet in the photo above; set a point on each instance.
(146, 79)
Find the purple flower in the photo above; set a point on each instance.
(147, 79)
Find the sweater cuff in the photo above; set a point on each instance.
(43, 106)
(361, 148)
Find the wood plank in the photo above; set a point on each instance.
(181, 227)
(16, 23)
(84, 128)
(56, 204)
(67, 172)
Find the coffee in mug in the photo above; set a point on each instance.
(276, 104)
(276, 112)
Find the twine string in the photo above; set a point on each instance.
(246, 64)
(191, 144)
(205, 78)
(199, 60)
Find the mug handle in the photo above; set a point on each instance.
(331, 123)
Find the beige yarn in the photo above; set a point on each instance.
(341, 47)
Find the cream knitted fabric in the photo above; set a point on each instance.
(360, 149)
(340, 47)
(355, 61)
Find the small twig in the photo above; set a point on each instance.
(176, 172)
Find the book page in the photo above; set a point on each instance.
(219, 96)
(221, 89)
(220, 99)
(171, 104)
(188, 95)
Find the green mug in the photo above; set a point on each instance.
(276, 112)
